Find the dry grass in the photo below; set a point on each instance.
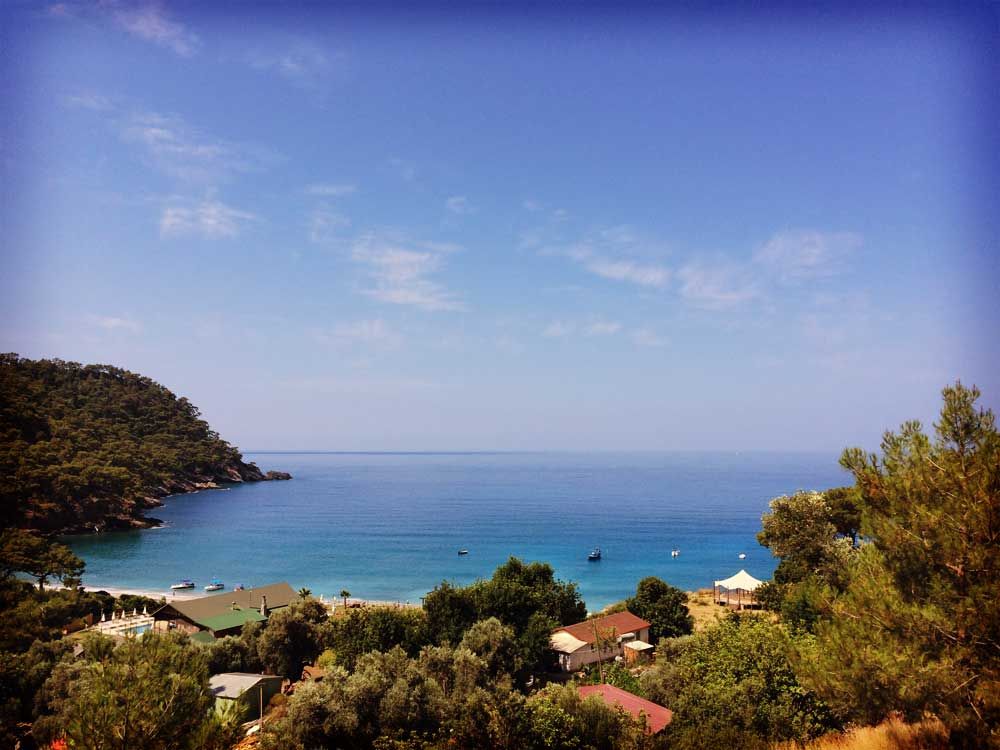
(704, 611)
(893, 734)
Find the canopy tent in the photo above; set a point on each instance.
(741, 583)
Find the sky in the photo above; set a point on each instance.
(558, 227)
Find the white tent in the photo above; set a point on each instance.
(741, 580)
(740, 583)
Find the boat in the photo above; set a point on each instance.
(743, 555)
(215, 585)
(238, 587)
(187, 583)
(463, 551)
(595, 554)
(675, 553)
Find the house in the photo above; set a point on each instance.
(576, 644)
(251, 692)
(656, 716)
(209, 617)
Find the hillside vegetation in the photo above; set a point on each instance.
(85, 447)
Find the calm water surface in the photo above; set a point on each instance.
(388, 526)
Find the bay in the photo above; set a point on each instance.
(388, 526)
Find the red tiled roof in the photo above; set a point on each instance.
(657, 717)
(621, 622)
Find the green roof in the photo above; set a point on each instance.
(203, 637)
(232, 619)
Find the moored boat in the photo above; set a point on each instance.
(215, 585)
(595, 554)
(463, 551)
(186, 583)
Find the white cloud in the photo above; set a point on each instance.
(459, 204)
(325, 225)
(114, 323)
(303, 64)
(648, 338)
(801, 254)
(716, 287)
(88, 100)
(181, 152)
(603, 328)
(373, 332)
(149, 21)
(624, 270)
(401, 271)
(558, 329)
(331, 190)
(210, 218)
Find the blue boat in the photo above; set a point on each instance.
(215, 585)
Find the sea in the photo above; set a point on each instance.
(388, 526)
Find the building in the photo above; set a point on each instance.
(219, 615)
(576, 644)
(251, 692)
(656, 716)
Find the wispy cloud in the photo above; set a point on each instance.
(180, 151)
(402, 271)
(331, 190)
(647, 338)
(802, 254)
(602, 328)
(116, 323)
(327, 225)
(88, 100)
(459, 205)
(558, 329)
(303, 63)
(363, 332)
(150, 22)
(210, 218)
(719, 286)
(615, 253)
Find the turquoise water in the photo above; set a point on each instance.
(388, 526)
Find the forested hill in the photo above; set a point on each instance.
(85, 446)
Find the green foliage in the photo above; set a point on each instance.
(616, 674)
(734, 683)
(292, 638)
(663, 606)
(88, 445)
(526, 597)
(801, 530)
(148, 692)
(41, 558)
(917, 627)
(365, 629)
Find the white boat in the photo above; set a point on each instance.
(675, 553)
(215, 585)
(463, 551)
(595, 554)
(187, 583)
(743, 555)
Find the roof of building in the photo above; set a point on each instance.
(639, 645)
(657, 717)
(206, 607)
(234, 684)
(203, 637)
(234, 618)
(564, 642)
(620, 622)
(741, 580)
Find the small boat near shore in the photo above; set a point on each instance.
(215, 585)
(595, 554)
(186, 583)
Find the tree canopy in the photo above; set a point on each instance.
(94, 445)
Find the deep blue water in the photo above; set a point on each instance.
(388, 526)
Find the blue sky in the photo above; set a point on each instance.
(558, 229)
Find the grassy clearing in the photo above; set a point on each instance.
(893, 734)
